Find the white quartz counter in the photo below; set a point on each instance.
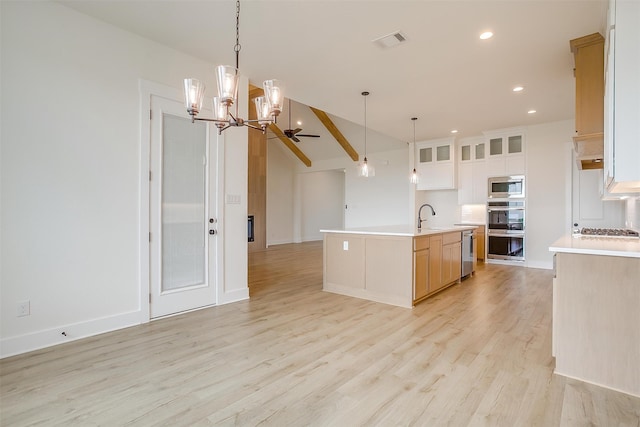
(609, 246)
(400, 230)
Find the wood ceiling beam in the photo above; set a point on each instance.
(333, 130)
(255, 91)
(293, 147)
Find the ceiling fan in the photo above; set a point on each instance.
(294, 133)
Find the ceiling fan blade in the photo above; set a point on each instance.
(296, 130)
(294, 138)
(308, 136)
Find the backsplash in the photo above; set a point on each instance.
(473, 213)
(632, 214)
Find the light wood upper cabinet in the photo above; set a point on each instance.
(588, 52)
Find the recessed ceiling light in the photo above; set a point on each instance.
(486, 35)
(531, 111)
(299, 123)
(518, 89)
(454, 131)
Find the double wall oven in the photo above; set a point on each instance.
(506, 219)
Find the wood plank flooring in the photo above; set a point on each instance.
(479, 354)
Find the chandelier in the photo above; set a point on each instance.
(268, 107)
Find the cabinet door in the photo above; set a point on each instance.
(436, 165)
(475, 251)
(480, 239)
(435, 263)
(465, 183)
(421, 265)
(451, 262)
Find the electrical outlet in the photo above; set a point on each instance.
(24, 308)
(345, 245)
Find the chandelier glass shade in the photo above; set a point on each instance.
(268, 107)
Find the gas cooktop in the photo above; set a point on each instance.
(609, 232)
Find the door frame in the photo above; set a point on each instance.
(146, 90)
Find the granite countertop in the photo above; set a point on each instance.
(400, 230)
(608, 246)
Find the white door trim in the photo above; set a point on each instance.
(146, 90)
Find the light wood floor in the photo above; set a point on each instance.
(478, 353)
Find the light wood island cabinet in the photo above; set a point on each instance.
(437, 263)
(596, 320)
(399, 267)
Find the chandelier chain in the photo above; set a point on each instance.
(237, 47)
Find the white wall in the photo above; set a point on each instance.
(383, 199)
(549, 148)
(445, 204)
(322, 202)
(71, 174)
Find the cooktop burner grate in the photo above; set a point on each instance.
(609, 232)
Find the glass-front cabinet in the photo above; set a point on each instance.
(435, 164)
(506, 152)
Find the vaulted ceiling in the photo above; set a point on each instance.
(324, 55)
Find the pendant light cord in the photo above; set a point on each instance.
(413, 119)
(237, 47)
(365, 124)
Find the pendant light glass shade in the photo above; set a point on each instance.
(414, 177)
(227, 77)
(193, 95)
(364, 171)
(273, 96)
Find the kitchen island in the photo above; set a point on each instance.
(596, 311)
(398, 265)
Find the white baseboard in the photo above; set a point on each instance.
(66, 333)
(540, 264)
(227, 297)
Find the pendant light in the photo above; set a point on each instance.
(268, 107)
(414, 174)
(365, 170)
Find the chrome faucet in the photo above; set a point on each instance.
(420, 210)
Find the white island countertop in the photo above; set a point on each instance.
(400, 230)
(608, 246)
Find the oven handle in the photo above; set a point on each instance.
(504, 209)
(505, 233)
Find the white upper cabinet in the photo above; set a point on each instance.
(435, 164)
(506, 152)
(472, 174)
(622, 98)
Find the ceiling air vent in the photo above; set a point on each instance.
(391, 40)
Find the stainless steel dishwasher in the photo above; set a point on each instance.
(467, 252)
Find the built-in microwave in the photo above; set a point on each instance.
(506, 187)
